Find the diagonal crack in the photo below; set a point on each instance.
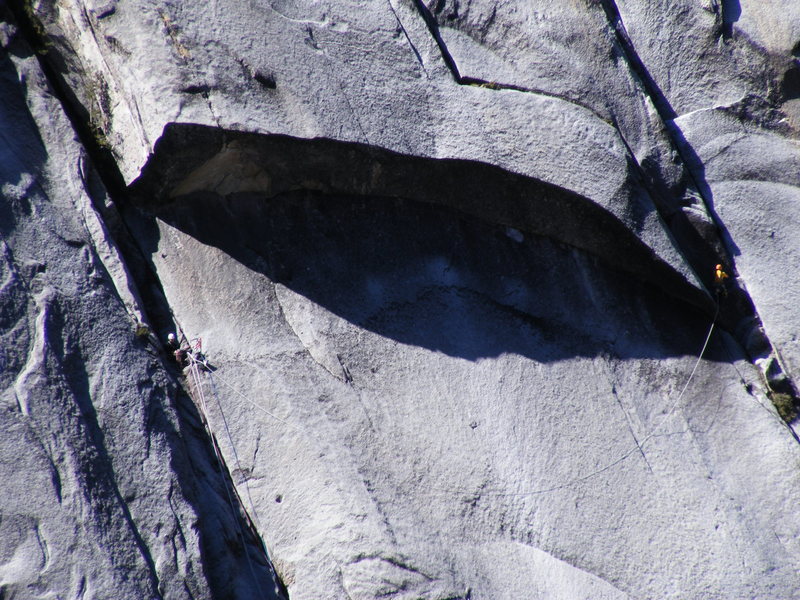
(408, 38)
(343, 376)
(743, 307)
(701, 249)
(452, 65)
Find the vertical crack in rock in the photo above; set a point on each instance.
(433, 28)
(308, 347)
(249, 534)
(610, 375)
(702, 240)
(408, 39)
(102, 163)
(185, 56)
(740, 308)
(235, 200)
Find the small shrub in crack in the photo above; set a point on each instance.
(39, 41)
(98, 103)
(785, 405)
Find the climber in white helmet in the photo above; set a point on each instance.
(178, 352)
(172, 342)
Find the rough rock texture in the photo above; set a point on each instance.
(370, 73)
(729, 89)
(424, 378)
(108, 490)
(449, 264)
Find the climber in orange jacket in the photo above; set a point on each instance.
(719, 280)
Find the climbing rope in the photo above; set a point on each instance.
(639, 447)
(239, 467)
(233, 449)
(195, 365)
(195, 372)
(255, 405)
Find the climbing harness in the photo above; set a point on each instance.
(719, 282)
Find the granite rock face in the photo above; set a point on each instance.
(108, 489)
(729, 92)
(449, 263)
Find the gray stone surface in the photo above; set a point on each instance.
(413, 388)
(560, 50)
(753, 177)
(371, 74)
(447, 263)
(106, 492)
(732, 82)
(727, 50)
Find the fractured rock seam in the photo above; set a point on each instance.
(460, 79)
(667, 115)
(746, 307)
(121, 241)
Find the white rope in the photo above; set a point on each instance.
(639, 447)
(235, 452)
(686, 385)
(236, 517)
(256, 520)
(257, 406)
(236, 457)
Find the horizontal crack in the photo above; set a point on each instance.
(452, 65)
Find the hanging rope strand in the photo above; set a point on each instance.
(688, 381)
(220, 462)
(255, 405)
(637, 448)
(253, 510)
(579, 479)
